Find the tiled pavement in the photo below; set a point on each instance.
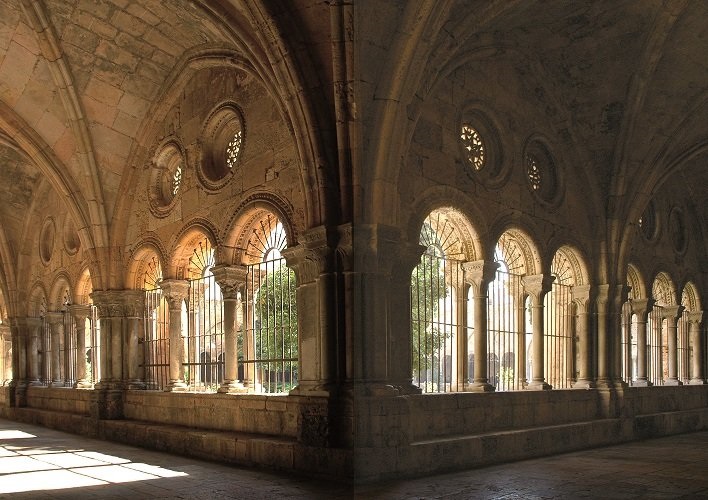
(40, 463)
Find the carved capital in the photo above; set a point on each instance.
(230, 279)
(175, 292)
(5, 332)
(479, 274)
(133, 303)
(368, 248)
(537, 285)
(603, 297)
(581, 296)
(672, 313)
(621, 295)
(695, 317)
(642, 308)
(54, 318)
(80, 312)
(33, 324)
(108, 302)
(312, 256)
(408, 256)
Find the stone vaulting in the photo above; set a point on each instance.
(355, 239)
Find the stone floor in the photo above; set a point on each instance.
(40, 463)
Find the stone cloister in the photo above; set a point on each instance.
(358, 240)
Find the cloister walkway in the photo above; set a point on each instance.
(41, 463)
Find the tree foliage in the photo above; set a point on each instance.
(276, 314)
(427, 288)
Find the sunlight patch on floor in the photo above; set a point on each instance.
(25, 468)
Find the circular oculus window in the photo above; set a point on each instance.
(223, 139)
(46, 240)
(166, 178)
(540, 172)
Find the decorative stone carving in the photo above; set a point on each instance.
(230, 279)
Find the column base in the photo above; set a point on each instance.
(57, 383)
(35, 383)
(621, 385)
(673, 382)
(311, 390)
(136, 385)
(232, 387)
(584, 384)
(641, 383)
(605, 383)
(538, 385)
(176, 386)
(83, 384)
(697, 381)
(481, 387)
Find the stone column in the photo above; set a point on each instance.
(249, 343)
(620, 297)
(581, 299)
(34, 329)
(460, 381)
(519, 306)
(604, 346)
(134, 308)
(6, 339)
(478, 275)
(316, 296)
(175, 292)
(672, 314)
(56, 324)
(694, 324)
(641, 309)
(537, 287)
(111, 312)
(80, 313)
(232, 282)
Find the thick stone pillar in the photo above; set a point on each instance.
(175, 292)
(694, 324)
(232, 282)
(80, 313)
(134, 310)
(478, 275)
(316, 296)
(641, 309)
(537, 287)
(374, 307)
(581, 299)
(672, 314)
(56, 325)
(34, 330)
(111, 312)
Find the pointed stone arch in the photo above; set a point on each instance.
(60, 291)
(519, 252)
(690, 299)
(569, 267)
(663, 289)
(254, 216)
(193, 251)
(84, 287)
(146, 265)
(635, 280)
(37, 304)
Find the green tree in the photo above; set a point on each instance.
(276, 312)
(427, 288)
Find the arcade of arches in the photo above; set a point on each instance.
(355, 239)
